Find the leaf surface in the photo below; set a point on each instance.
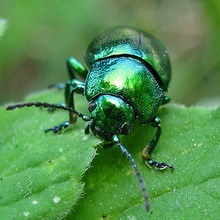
(41, 173)
(190, 142)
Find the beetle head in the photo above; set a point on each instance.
(111, 115)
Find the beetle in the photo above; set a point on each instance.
(127, 80)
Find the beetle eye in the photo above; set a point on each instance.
(125, 129)
(92, 106)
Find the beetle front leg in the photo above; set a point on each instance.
(73, 86)
(75, 68)
(151, 146)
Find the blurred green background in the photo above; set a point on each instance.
(41, 35)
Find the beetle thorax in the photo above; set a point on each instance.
(111, 115)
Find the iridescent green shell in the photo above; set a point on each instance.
(128, 79)
(132, 42)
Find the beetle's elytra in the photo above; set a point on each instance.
(127, 79)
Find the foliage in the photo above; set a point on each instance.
(41, 175)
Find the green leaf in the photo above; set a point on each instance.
(41, 173)
(190, 141)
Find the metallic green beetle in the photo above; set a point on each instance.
(129, 73)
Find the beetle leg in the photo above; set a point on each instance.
(72, 86)
(151, 146)
(58, 128)
(76, 68)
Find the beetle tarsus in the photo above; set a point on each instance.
(152, 163)
(159, 166)
(59, 127)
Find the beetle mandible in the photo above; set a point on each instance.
(128, 77)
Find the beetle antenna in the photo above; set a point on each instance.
(48, 105)
(136, 171)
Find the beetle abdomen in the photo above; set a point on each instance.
(129, 79)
